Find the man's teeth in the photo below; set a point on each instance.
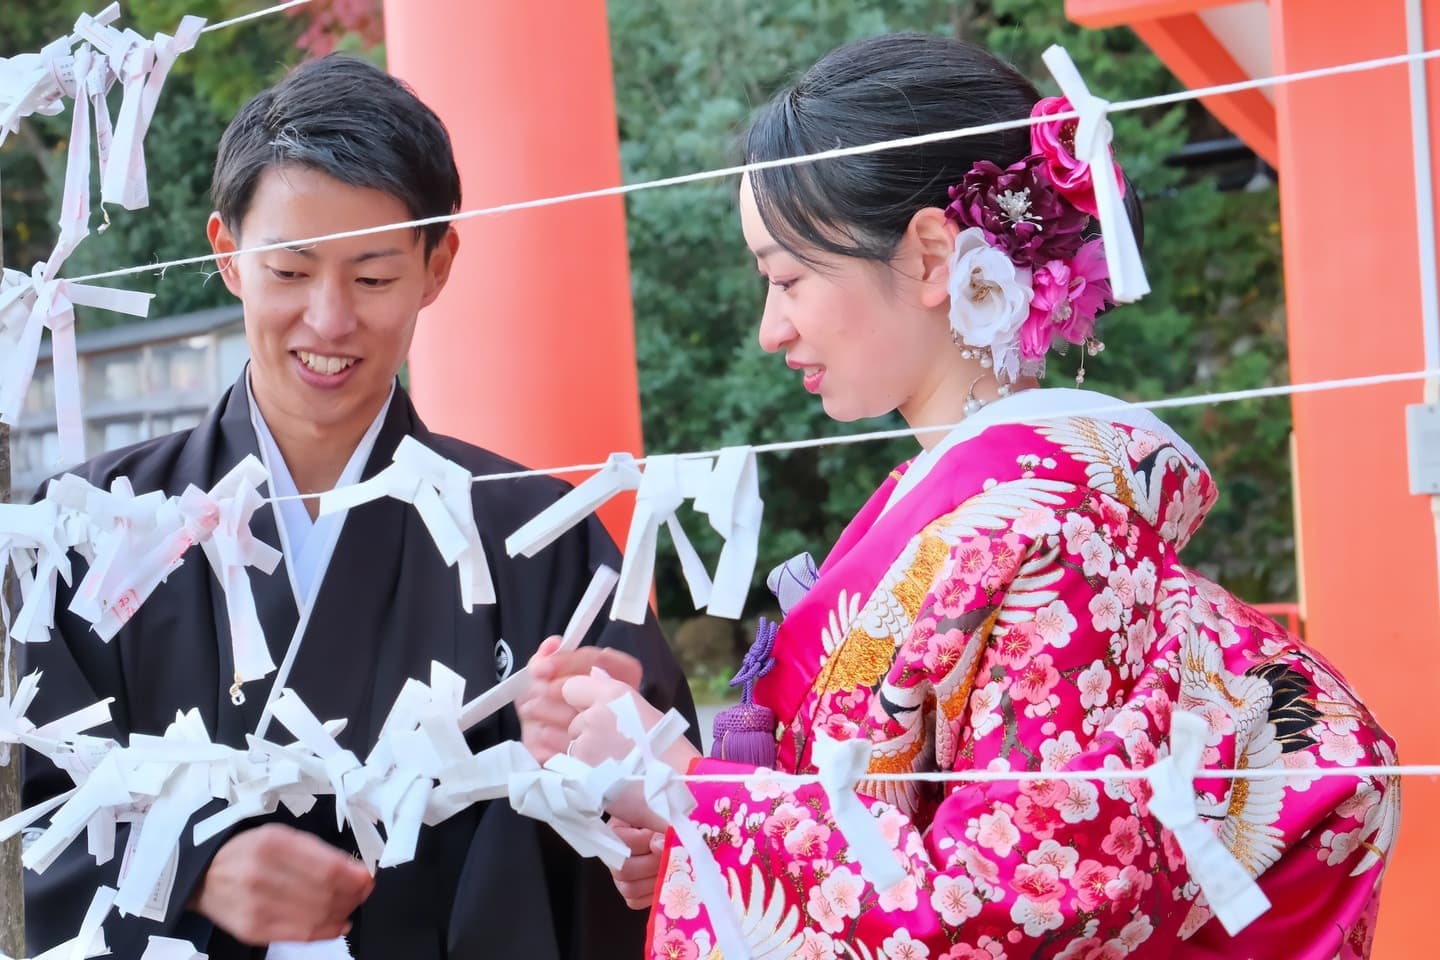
(324, 365)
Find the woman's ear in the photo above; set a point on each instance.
(931, 235)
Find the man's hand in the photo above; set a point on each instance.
(545, 717)
(276, 884)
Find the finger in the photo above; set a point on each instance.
(636, 838)
(582, 661)
(585, 692)
(638, 869)
(547, 707)
(349, 882)
(597, 725)
(638, 896)
(657, 842)
(620, 665)
(540, 664)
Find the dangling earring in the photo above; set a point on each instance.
(981, 357)
(972, 402)
(1092, 348)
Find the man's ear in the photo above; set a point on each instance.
(437, 267)
(223, 242)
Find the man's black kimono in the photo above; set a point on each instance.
(487, 883)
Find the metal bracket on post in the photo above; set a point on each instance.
(1422, 428)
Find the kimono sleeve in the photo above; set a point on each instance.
(1006, 668)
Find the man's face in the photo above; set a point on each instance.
(330, 325)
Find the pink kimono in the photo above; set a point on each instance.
(1023, 607)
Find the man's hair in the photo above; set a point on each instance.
(351, 121)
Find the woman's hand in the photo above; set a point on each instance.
(636, 878)
(595, 737)
(545, 717)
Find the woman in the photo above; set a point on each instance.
(1011, 599)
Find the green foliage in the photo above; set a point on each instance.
(205, 88)
(688, 74)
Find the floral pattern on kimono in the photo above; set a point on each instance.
(1023, 608)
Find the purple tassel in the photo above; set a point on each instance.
(745, 733)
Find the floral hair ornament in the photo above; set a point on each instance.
(1023, 277)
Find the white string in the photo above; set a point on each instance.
(255, 15)
(1204, 399)
(735, 171)
(1032, 776)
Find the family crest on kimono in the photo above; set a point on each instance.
(1012, 599)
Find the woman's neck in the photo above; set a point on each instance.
(962, 390)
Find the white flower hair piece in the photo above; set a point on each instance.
(989, 300)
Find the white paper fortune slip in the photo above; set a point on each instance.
(619, 473)
(667, 795)
(1092, 146)
(90, 942)
(439, 489)
(1231, 891)
(506, 691)
(669, 480)
(731, 498)
(841, 764)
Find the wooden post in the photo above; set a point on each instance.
(12, 893)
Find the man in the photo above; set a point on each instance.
(364, 597)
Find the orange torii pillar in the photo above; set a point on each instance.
(530, 351)
(1352, 282)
